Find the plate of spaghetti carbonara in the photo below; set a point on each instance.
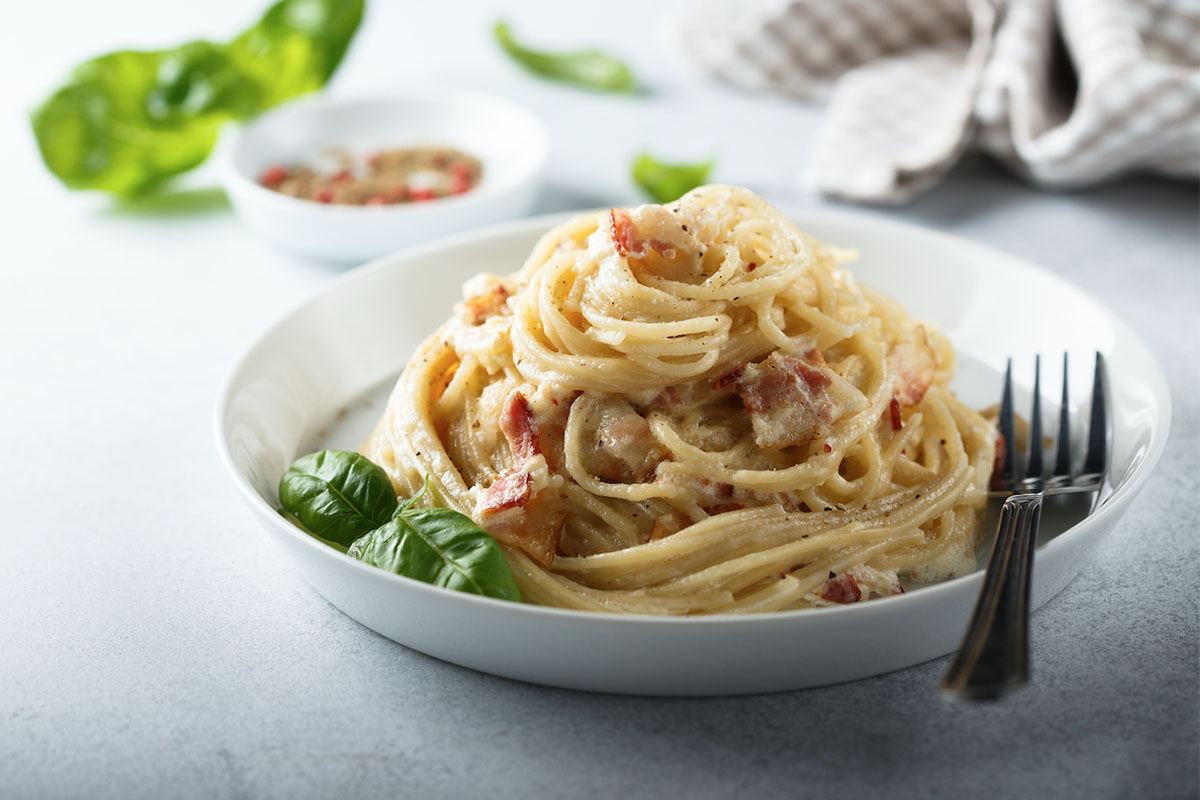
(719, 450)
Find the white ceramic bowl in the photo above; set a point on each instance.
(356, 335)
(511, 143)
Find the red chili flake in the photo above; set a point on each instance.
(421, 195)
(894, 407)
(324, 196)
(274, 175)
(828, 449)
(751, 267)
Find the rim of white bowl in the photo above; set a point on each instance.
(1113, 504)
(537, 145)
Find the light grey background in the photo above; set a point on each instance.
(153, 644)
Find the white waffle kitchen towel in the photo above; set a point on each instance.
(1068, 92)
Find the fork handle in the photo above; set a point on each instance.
(994, 656)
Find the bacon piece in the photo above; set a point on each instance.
(622, 448)
(478, 307)
(512, 509)
(535, 527)
(511, 490)
(514, 488)
(786, 401)
(624, 233)
(894, 409)
(815, 378)
(517, 425)
(915, 364)
(627, 240)
(841, 589)
(1001, 452)
(721, 508)
(728, 378)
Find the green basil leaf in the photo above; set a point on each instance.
(590, 69)
(296, 46)
(666, 182)
(127, 121)
(442, 547)
(337, 495)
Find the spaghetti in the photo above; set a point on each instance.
(693, 409)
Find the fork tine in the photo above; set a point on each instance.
(1034, 469)
(1097, 452)
(1003, 481)
(1062, 463)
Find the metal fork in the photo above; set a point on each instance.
(994, 656)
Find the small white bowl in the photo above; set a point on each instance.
(511, 143)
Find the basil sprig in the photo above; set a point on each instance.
(125, 122)
(343, 497)
(589, 69)
(666, 182)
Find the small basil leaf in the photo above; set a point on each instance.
(337, 495)
(667, 182)
(590, 69)
(442, 547)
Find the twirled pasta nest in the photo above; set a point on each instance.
(693, 409)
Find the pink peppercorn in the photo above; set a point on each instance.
(273, 175)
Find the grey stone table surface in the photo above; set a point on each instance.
(154, 644)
